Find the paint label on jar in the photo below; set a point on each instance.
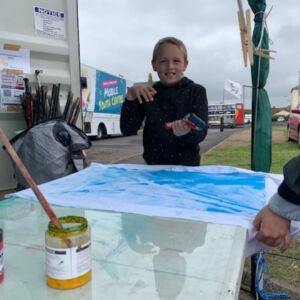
(69, 262)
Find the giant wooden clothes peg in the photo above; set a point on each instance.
(246, 39)
(248, 48)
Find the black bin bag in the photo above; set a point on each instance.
(50, 150)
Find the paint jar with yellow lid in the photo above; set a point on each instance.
(68, 253)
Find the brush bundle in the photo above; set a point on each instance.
(40, 107)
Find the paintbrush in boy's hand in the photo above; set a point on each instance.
(192, 120)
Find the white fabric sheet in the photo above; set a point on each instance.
(217, 194)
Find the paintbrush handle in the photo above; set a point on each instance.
(29, 180)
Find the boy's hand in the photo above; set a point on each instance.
(180, 128)
(140, 92)
(273, 229)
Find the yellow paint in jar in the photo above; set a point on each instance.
(68, 253)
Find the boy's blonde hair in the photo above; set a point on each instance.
(169, 40)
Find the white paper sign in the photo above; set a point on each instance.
(11, 87)
(15, 60)
(49, 22)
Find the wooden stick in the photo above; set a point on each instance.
(30, 180)
(263, 55)
(267, 50)
(243, 33)
(250, 44)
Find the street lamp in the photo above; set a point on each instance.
(244, 86)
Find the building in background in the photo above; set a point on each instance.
(295, 98)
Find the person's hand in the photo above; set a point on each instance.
(180, 128)
(140, 92)
(273, 229)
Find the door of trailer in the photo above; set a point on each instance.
(37, 37)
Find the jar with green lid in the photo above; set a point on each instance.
(68, 253)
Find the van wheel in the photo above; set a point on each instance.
(100, 132)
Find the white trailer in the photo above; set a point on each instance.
(35, 35)
(102, 101)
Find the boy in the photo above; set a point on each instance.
(167, 101)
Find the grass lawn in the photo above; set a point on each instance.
(284, 266)
(241, 156)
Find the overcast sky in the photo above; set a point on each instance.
(118, 37)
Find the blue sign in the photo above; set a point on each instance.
(110, 93)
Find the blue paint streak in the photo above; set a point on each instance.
(234, 193)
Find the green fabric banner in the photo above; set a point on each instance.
(261, 139)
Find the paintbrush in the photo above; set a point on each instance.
(31, 182)
(192, 120)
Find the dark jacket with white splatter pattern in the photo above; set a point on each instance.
(289, 189)
(170, 103)
(286, 202)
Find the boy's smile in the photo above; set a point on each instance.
(170, 64)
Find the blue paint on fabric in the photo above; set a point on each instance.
(110, 188)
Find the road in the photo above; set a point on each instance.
(129, 149)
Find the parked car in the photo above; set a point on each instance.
(293, 127)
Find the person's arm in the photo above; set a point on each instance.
(132, 116)
(140, 93)
(273, 229)
(199, 108)
(273, 221)
(132, 112)
(284, 208)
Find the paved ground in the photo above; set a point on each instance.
(243, 138)
(130, 149)
(246, 295)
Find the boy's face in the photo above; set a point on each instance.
(169, 64)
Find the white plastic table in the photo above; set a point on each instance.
(133, 256)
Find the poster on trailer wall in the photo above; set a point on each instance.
(110, 93)
(11, 87)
